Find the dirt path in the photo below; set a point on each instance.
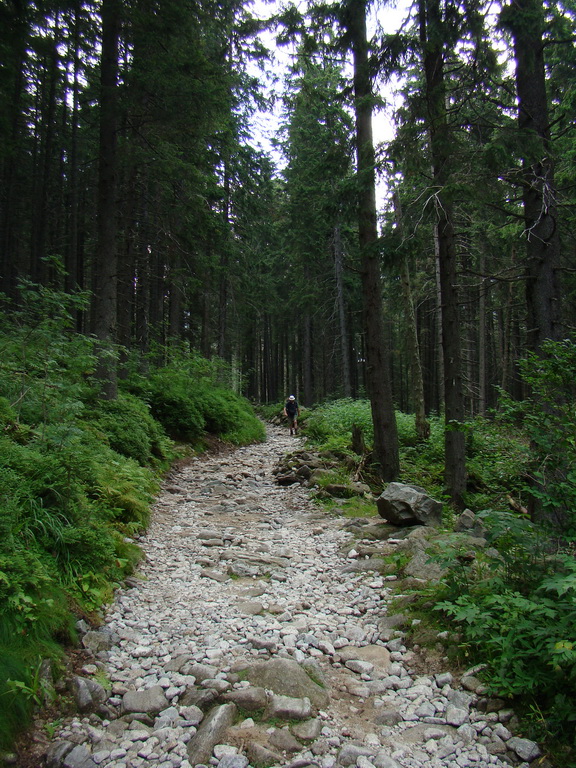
(241, 577)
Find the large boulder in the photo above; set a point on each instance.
(284, 677)
(212, 731)
(404, 505)
(150, 701)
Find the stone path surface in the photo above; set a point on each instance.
(244, 640)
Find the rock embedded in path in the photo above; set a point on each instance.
(101, 640)
(251, 699)
(524, 748)
(212, 731)
(88, 694)
(286, 678)
(377, 655)
(150, 701)
(259, 755)
(284, 741)
(288, 708)
(307, 730)
(402, 505)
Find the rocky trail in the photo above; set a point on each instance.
(247, 639)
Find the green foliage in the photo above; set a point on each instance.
(269, 411)
(515, 607)
(77, 478)
(333, 421)
(15, 708)
(131, 430)
(497, 453)
(548, 418)
(188, 402)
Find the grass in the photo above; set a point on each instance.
(78, 475)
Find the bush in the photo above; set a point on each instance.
(515, 608)
(189, 408)
(548, 419)
(334, 421)
(131, 430)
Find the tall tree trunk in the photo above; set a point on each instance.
(10, 218)
(72, 279)
(386, 453)
(525, 19)
(343, 326)
(422, 424)
(482, 341)
(432, 37)
(39, 267)
(106, 261)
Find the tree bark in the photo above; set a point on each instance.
(431, 37)
(106, 261)
(525, 19)
(343, 326)
(422, 424)
(386, 453)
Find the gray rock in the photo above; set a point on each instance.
(402, 505)
(250, 607)
(96, 641)
(200, 671)
(308, 730)
(284, 741)
(285, 677)
(456, 716)
(260, 755)
(195, 697)
(472, 683)
(212, 573)
(175, 665)
(373, 654)
(192, 714)
(443, 678)
(388, 717)
(315, 671)
(212, 731)
(250, 699)
(233, 761)
(56, 753)
(242, 570)
(383, 760)
(360, 667)
(351, 752)
(88, 694)
(469, 523)
(289, 708)
(150, 701)
(459, 699)
(79, 757)
(421, 567)
(524, 748)
(362, 566)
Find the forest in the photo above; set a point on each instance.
(162, 267)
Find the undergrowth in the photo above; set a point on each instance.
(77, 477)
(512, 603)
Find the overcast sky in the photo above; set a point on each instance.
(266, 124)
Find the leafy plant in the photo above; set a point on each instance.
(548, 418)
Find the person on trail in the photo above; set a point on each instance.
(292, 411)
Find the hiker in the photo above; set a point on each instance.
(292, 411)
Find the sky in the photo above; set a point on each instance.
(266, 124)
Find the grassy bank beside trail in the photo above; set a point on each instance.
(77, 478)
